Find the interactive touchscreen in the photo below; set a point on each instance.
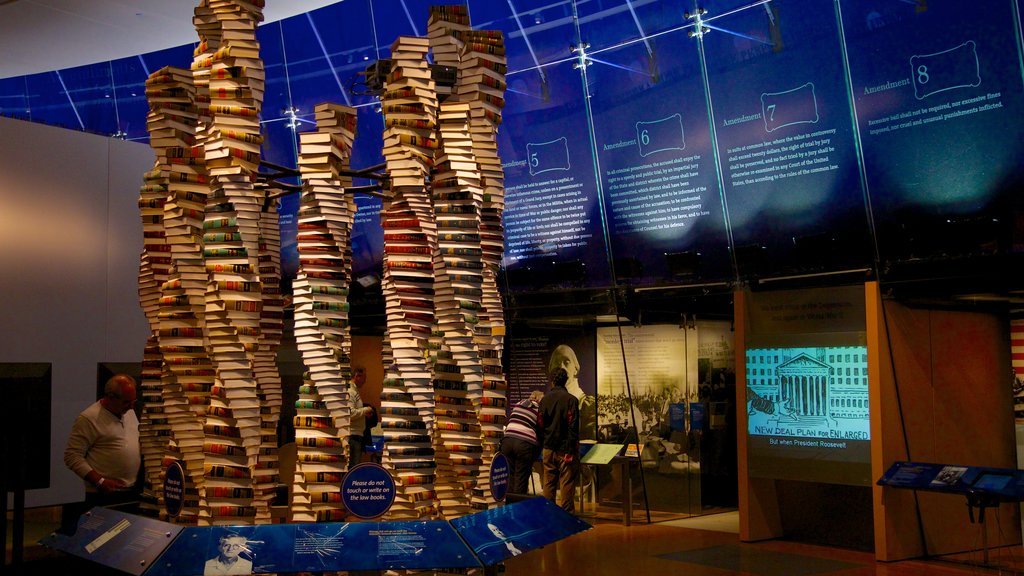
(992, 482)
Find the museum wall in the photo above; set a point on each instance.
(70, 237)
(949, 400)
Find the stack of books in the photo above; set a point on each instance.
(458, 373)
(186, 376)
(154, 269)
(322, 335)
(234, 304)
(268, 379)
(154, 430)
(229, 65)
(480, 58)
(155, 262)
(445, 48)
(187, 380)
(235, 84)
(410, 239)
(481, 84)
(320, 460)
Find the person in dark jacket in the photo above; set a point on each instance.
(560, 432)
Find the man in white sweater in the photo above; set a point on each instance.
(103, 447)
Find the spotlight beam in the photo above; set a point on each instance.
(519, 23)
(327, 57)
(640, 28)
(741, 35)
(619, 66)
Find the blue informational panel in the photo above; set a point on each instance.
(1003, 483)
(657, 163)
(138, 545)
(513, 529)
(786, 144)
(677, 416)
(122, 541)
(396, 546)
(288, 548)
(552, 215)
(939, 102)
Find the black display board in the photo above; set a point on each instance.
(26, 428)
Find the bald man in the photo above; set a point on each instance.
(103, 448)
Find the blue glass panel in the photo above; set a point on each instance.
(129, 80)
(93, 94)
(49, 102)
(656, 154)
(13, 99)
(783, 124)
(533, 36)
(367, 234)
(126, 542)
(291, 548)
(324, 51)
(394, 18)
(940, 103)
(506, 531)
(552, 215)
(608, 24)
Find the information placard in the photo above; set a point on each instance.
(939, 102)
(126, 542)
(500, 533)
(658, 177)
(499, 477)
(786, 145)
(552, 215)
(601, 454)
(368, 490)
(174, 489)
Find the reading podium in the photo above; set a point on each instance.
(615, 455)
(983, 487)
(139, 545)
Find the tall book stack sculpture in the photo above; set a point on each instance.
(231, 247)
(456, 195)
(154, 270)
(458, 372)
(209, 280)
(477, 98)
(321, 288)
(154, 429)
(187, 375)
(481, 84)
(268, 379)
(410, 240)
(214, 338)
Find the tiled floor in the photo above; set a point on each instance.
(701, 546)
